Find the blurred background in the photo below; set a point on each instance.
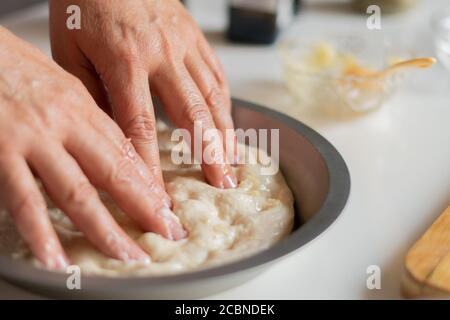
(317, 48)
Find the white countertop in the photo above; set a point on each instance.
(398, 156)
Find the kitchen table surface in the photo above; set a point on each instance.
(398, 156)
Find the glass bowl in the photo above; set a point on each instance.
(337, 73)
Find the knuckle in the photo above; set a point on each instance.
(129, 63)
(199, 114)
(81, 193)
(28, 204)
(65, 100)
(142, 129)
(52, 99)
(172, 52)
(216, 100)
(218, 72)
(129, 58)
(127, 150)
(153, 186)
(123, 171)
(44, 121)
(196, 110)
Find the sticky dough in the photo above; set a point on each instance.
(223, 225)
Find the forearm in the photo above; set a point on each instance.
(6, 40)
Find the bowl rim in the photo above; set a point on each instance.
(16, 271)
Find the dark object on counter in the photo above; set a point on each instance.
(297, 6)
(259, 22)
(252, 26)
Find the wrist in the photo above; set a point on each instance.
(7, 42)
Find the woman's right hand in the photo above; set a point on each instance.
(49, 124)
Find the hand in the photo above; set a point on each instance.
(124, 49)
(49, 123)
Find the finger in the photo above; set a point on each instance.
(103, 124)
(72, 192)
(114, 170)
(210, 58)
(187, 108)
(217, 99)
(133, 110)
(28, 209)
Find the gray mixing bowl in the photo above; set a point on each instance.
(317, 176)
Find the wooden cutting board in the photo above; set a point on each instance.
(427, 264)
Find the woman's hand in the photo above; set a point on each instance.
(50, 124)
(124, 49)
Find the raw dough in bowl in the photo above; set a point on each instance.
(223, 225)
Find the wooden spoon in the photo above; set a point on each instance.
(412, 63)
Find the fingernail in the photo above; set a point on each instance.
(59, 262)
(174, 229)
(145, 259)
(180, 232)
(140, 255)
(136, 253)
(124, 256)
(229, 182)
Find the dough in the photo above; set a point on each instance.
(223, 225)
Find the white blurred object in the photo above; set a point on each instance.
(440, 23)
(331, 74)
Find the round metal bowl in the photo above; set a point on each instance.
(317, 176)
